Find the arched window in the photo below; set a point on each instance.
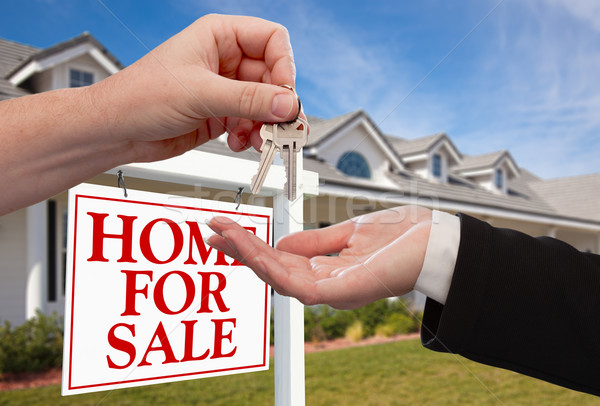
(354, 164)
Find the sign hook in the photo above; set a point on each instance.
(238, 197)
(121, 182)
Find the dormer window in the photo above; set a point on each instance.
(79, 78)
(437, 166)
(499, 179)
(354, 164)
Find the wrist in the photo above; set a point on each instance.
(108, 131)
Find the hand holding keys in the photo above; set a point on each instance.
(287, 138)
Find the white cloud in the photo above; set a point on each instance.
(543, 88)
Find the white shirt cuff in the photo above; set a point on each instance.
(440, 257)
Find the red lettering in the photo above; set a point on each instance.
(131, 291)
(98, 236)
(165, 347)
(121, 345)
(189, 343)
(147, 248)
(216, 293)
(219, 337)
(196, 236)
(159, 297)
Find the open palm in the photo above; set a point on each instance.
(379, 255)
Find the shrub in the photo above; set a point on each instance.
(384, 330)
(401, 324)
(35, 345)
(355, 332)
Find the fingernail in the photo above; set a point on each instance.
(282, 105)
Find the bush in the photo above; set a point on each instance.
(384, 317)
(355, 332)
(35, 345)
(384, 330)
(400, 324)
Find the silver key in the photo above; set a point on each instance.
(290, 138)
(268, 149)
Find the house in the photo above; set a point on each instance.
(360, 170)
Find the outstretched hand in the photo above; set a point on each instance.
(379, 255)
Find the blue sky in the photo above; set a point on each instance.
(516, 75)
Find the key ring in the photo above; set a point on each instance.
(299, 103)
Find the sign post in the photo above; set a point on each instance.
(289, 318)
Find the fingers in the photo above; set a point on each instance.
(255, 101)
(288, 274)
(264, 40)
(310, 243)
(233, 240)
(257, 53)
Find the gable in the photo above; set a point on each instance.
(83, 49)
(357, 135)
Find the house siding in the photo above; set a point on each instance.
(13, 251)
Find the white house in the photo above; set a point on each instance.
(360, 170)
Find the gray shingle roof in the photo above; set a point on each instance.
(575, 196)
(321, 128)
(414, 146)
(12, 54)
(406, 183)
(80, 39)
(9, 91)
(479, 161)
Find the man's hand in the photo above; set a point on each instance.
(379, 255)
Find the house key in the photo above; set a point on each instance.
(267, 155)
(288, 139)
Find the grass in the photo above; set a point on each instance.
(401, 373)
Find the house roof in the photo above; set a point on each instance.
(11, 55)
(559, 198)
(84, 37)
(414, 146)
(422, 145)
(486, 161)
(578, 196)
(471, 162)
(458, 190)
(10, 91)
(321, 128)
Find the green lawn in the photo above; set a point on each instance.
(401, 373)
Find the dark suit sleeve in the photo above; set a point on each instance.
(531, 305)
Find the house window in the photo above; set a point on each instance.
(78, 78)
(499, 179)
(354, 164)
(437, 166)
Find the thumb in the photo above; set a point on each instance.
(251, 100)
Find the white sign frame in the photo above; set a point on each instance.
(86, 371)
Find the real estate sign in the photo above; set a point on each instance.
(148, 301)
